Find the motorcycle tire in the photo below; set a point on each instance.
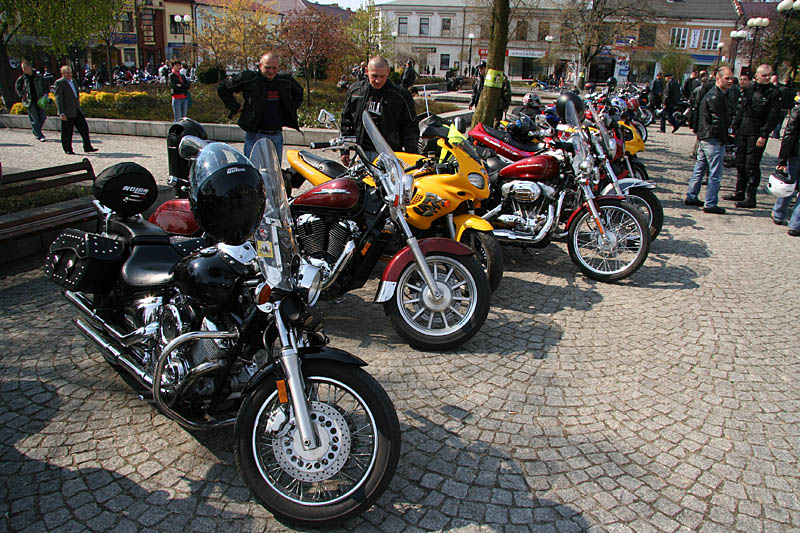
(489, 254)
(679, 118)
(641, 129)
(646, 201)
(639, 170)
(424, 324)
(646, 116)
(600, 261)
(360, 432)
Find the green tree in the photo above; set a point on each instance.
(368, 32)
(674, 61)
(783, 47)
(238, 34)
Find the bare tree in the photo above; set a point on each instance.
(493, 88)
(236, 36)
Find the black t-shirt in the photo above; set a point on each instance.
(271, 119)
(375, 103)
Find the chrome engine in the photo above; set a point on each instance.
(527, 213)
(327, 245)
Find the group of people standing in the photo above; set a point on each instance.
(33, 90)
(746, 117)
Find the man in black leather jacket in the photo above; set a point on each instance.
(271, 100)
(390, 107)
(672, 96)
(759, 112)
(789, 161)
(712, 132)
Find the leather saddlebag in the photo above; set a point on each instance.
(84, 262)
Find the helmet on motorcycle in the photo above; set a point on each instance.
(227, 194)
(561, 105)
(780, 185)
(611, 83)
(619, 103)
(531, 100)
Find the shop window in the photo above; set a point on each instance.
(444, 62)
(678, 37)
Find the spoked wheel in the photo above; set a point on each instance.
(359, 448)
(649, 205)
(428, 323)
(489, 254)
(646, 116)
(639, 170)
(615, 255)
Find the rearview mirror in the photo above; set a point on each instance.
(326, 118)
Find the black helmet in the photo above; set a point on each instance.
(561, 105)
(227, 194)
(611, 82)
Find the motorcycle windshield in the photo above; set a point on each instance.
(601, 127)
(275, 244)
(458, 140)
(388, 160)
(578, 140)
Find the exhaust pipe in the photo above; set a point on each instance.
(113, 354)
(85, 307)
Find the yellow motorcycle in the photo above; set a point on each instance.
(445, 193)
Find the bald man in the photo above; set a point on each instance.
(270, 102)
(390, 107)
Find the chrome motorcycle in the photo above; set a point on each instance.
(221, 331)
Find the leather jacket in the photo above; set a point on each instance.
(759, 111)
(713, 119)
(249, 84)
(790, 145)
(398, 117)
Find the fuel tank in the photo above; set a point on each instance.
(535, 168)
(342, 197)
(207, 277)
(175, 216)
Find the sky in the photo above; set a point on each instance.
(352, 4)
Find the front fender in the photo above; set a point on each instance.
(598, 201)
(307, 353)
(402, 258)
(470, 221)
(627, 183)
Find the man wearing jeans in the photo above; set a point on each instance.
(712, 132)
(30, 87)
(271, 100)
(789, 160)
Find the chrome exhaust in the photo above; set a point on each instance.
(112, 354)
(85, 307)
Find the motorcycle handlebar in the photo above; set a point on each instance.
(324, 144)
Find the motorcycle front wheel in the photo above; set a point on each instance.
(620, 252)
(649, 205)
(359, 447)
(430, 324)
(646, 116)
(641, 129)
(489, 254)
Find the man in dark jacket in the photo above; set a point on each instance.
(672, 96)
(657, 88)
(30, 86)
(688, 85)
(789, 160)
(787, 102)
(409, 76)
(712, 131)
(759, 110)
(477, 85)
(390, 107)
(271, 100)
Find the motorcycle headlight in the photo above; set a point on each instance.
(309, 282)
(477, 180)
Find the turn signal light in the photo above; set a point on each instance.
(263, 295)
(283, 397)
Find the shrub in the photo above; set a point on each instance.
(19, 109)
(87, 98)
(211, 75)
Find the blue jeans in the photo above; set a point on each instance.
(180, 108)
(710, 153)
(251, 137)
(781, 207)
(37, 116)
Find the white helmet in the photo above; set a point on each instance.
(780, 185)
(619, 103)
(531, 100)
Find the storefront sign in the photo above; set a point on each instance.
(428, 49)
(484, 52)
(694, 41)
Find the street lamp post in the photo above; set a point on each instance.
(756, 23)
(184, 21)
(394, 45)
(720, 46)
(786, 8)
(549, 39)
(471, 36)
(736, 36)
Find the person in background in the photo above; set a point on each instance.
(787, 102)
(30, 86)
(744, 81)
(390, 107)
(789, 160)
(409, 75)
(672, 95)
(477, 85)
(271, 100)
(180, 91)
(657, 90)
(759, 109)
(712, 132)
(688, 85)
(69, 109)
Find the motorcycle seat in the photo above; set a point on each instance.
(150, 265)
(508, 139)
(332, 169)
(137, 231)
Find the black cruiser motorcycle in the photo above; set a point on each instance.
(221, 331)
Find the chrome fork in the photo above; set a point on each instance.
(419, 257)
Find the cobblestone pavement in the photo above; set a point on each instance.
(666, 402)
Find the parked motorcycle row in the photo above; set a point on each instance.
(208, 308)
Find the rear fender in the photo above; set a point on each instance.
(599, 200)
(307, 353)
(402, 259)
(470, 221)
(627, 183)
